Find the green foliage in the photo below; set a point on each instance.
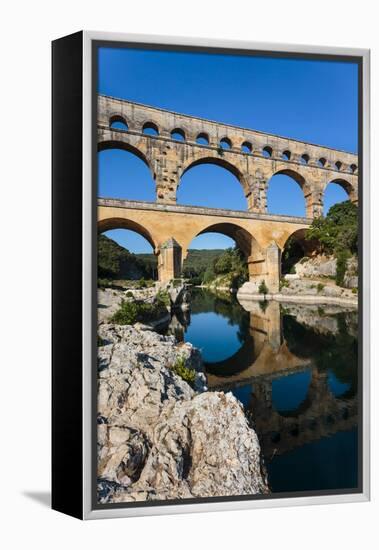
(187, 374)
(116, 262)
(142, 283)
(163, 297)
(338, 230)
(138, 311)
(320, 287)
(342, 257)
(262, 289)
(104, 283)
(354, 290)
(283, 283)
(129, 294)
(197, 262)
(337, 234)
(229, 263)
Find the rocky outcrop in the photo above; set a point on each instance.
(158, 437)
(326, 266)
(318, 266)
(179, 296)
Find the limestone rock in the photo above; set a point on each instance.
(160, 439)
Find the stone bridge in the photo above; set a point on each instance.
(170, 230)
(180, 142)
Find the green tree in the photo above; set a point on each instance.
(338, 230)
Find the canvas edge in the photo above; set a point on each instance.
(88, 512)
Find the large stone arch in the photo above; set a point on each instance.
(217, 160)
(244, 240)
(107, 224)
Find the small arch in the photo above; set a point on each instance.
(338, 165)
(321, 162)
(118, 122)
(202, 139)
(178, 134)
(286, 155)
(267, 151)
(246, 147)
(225, 143)
(150, 129)
(353, 168)
(304, 159)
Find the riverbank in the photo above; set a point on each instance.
(303, 292)
(161, 437)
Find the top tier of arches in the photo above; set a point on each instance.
(135, 118)
(171, 144)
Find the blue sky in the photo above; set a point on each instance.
(308, 100)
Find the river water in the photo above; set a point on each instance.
(294, 369)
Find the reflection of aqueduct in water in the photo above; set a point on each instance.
(319, 415)
(252, 156)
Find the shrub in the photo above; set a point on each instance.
(262, 289)
(129, 294)
(126, 314)
(163, 297)
(283, 283)
(187, 374)
(104, 283)
(342, 258)
(138, 311)
(354, 290)
(142, 283)
(320, 287)
(293, 270)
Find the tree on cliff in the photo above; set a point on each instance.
(337, 234)
(338, 230)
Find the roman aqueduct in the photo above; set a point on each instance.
(176, 143)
